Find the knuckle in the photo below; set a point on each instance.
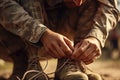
(83, 56)
(89, 58)
(81, 50)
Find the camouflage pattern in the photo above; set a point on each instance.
(24, 19)
(93, 18)
(9, 42)
(105, 20)
(26, 24)
(28, 19)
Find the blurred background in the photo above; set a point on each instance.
(108, 65)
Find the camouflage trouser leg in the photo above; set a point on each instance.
(23, 54)
(13, 47)
(20, 64)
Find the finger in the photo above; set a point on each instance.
(88, 62)
(79, 50)
(75, 50)
(65, 48)
(59, 50)
(98, 52)
(90, 57)
(78, 45)
(87, 52)
(53, 51)
(69, 43)
(91, 61)
(50, 52)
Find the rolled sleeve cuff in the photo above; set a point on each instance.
(35, 37)
(98, 35)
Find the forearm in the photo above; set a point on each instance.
(105, 20)
(16, 20)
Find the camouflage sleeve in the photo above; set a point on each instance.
(17, 21)
(105, 20)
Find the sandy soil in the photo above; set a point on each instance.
(110, 70)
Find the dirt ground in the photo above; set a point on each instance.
(109, 69)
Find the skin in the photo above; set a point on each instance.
(87, 50)
(59, 46)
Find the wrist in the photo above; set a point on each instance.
(95, 40)
(44, 34)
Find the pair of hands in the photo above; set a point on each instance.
(59, 46)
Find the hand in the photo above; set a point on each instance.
(87, 50)
(56, 45)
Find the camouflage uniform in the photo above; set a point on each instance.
(25, 20)
(28, 20)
